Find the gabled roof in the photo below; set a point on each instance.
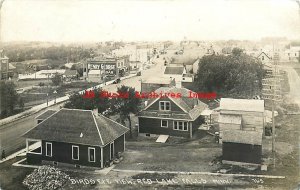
(174, 71)
(242, 105)
(67, 125)
(45, 114)
(264, 54)
(192, 107)
(242, 137)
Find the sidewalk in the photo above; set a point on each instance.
(38, 108)
(21, 152)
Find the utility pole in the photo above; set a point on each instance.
(272, 92)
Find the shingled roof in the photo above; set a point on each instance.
(45, 114)
(79, 127)
(192, 107)
(174, 71)
(242, 105)
(242, 137)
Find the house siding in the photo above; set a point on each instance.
(249, 119)
(155, 106)
(242, 152)
(62, 152)
(153, 126)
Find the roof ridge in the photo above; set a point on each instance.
(74, 109)
(41, 122)
(97, 127)
(112, 121)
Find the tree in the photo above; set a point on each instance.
(234, 76)
(78, 101)
(9, 99)
(126, 106)
(57, 79)
(237, 51)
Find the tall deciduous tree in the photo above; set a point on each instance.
(78, 101)
(237, 75)
(9, 99)
(126, 106)
(57, 79)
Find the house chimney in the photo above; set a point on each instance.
(95, 112)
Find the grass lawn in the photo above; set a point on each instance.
(11, 177)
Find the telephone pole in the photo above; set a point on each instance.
(272, 91)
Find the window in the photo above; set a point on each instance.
(164, 105)
(164, 123)
(180, 125)
(262, 58)
(75, 152)
(48, 149)
(91, 154)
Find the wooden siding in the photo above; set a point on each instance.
(241, 152)
(62, 152)
(249, 119)
(153, 126)
(155, 106)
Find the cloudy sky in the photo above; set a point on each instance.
(99, 20)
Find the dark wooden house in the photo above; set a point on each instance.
(175, 116)
(242, 146)
(77, 138)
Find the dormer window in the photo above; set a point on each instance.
(164, 106)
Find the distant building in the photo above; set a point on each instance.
(76, 138)
(107, 67)
(264, 58)
(70, 74)
(173, 116)
(43, 74)
(6, 69)
(176, 73)
(152, 84)
(191, 65)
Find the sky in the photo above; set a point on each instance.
(148, 20)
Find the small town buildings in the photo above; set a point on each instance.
(264, 58)
(173, 116)
(152, 84)
(191, 64)
(70, 74)
(107, 67)
(176, 73)
(6, 69)
(78, 138)
(43, 74)
(242, 146)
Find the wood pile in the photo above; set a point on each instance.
(46, 178)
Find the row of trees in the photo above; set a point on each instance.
(124, 107)
(236, 75)
(61, 53)
(9, 99)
